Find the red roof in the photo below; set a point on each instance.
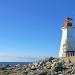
(68, 18)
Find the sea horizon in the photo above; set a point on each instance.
(14, 63)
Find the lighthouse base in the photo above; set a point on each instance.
(71, 58)
(68, 53)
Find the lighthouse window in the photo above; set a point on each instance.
(67, 53)
(73, 53)
(68, 21)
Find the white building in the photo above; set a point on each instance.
(67, 47)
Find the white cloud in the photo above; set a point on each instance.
(10, 58)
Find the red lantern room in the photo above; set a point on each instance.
(68, 22)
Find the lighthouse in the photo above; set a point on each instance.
(67, 47)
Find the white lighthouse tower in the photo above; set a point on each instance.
(67, 47)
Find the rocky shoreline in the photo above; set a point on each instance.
(51, 66)
(47, 66)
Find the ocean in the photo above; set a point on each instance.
(14, 63)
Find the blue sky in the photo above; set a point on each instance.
(31, 28)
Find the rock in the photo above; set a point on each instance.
(24, 73)
(69, 71)
(27, 69)
(48, 66)
(30, 73)
(68, 61)
(42, 72)
(73, 69)
(50, 72)
(33, 67)
(56, 66)
(60, 74)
